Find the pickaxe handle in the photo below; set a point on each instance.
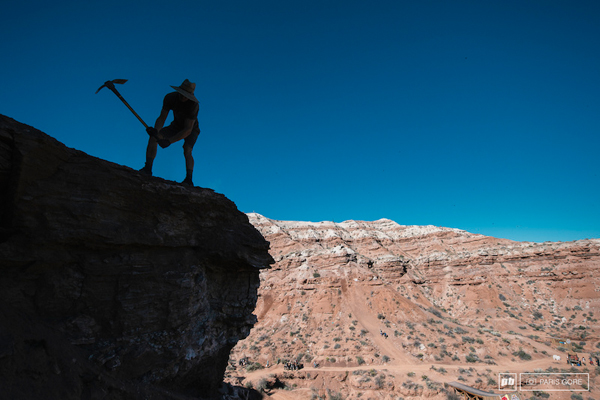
(128, 106)
(111, 86)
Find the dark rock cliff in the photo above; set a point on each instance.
(114, 285)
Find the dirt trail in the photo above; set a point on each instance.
(297, 394)
(402, 371)
(514, 367)
(267, 303)
(354, 300)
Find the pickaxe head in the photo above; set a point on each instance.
(110, 84)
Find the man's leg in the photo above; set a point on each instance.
(150, 155)
(189, 164)
(188, 146)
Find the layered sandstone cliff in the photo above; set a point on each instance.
(112, 284)
(434, 262)
(365, 306)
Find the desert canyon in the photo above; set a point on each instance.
(378, 310)
(115, 285)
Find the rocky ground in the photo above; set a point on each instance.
(377, 310)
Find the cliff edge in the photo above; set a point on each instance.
(115, 285)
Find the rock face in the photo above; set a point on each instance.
(112, 284)
(394, 300)
(435, 261)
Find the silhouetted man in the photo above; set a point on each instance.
(185, 107)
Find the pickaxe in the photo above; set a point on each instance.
(111, 86)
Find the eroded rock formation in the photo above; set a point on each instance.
(366, 305)
(112, 284)
(431, 261)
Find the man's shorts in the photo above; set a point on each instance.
(189, 141)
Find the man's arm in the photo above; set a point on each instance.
(158, 125)
(160, 121)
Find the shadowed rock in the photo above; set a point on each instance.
(113, 284)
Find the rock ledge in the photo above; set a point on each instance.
(116, 285)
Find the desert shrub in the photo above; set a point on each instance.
(576, 347)
(435, 312)
(412, 385)
(261, 386)
(254, 367)
(360, 360)
(331, 395)
(522, 355)
(541, 395)
(431, 385)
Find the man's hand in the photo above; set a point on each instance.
(164, 143)
(152, 131)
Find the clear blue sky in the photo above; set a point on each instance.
(478, 115)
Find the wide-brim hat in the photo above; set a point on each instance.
(187, 89)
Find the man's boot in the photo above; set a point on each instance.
(147, 170)
(188, 178)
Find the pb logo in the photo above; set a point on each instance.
(507, 381)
